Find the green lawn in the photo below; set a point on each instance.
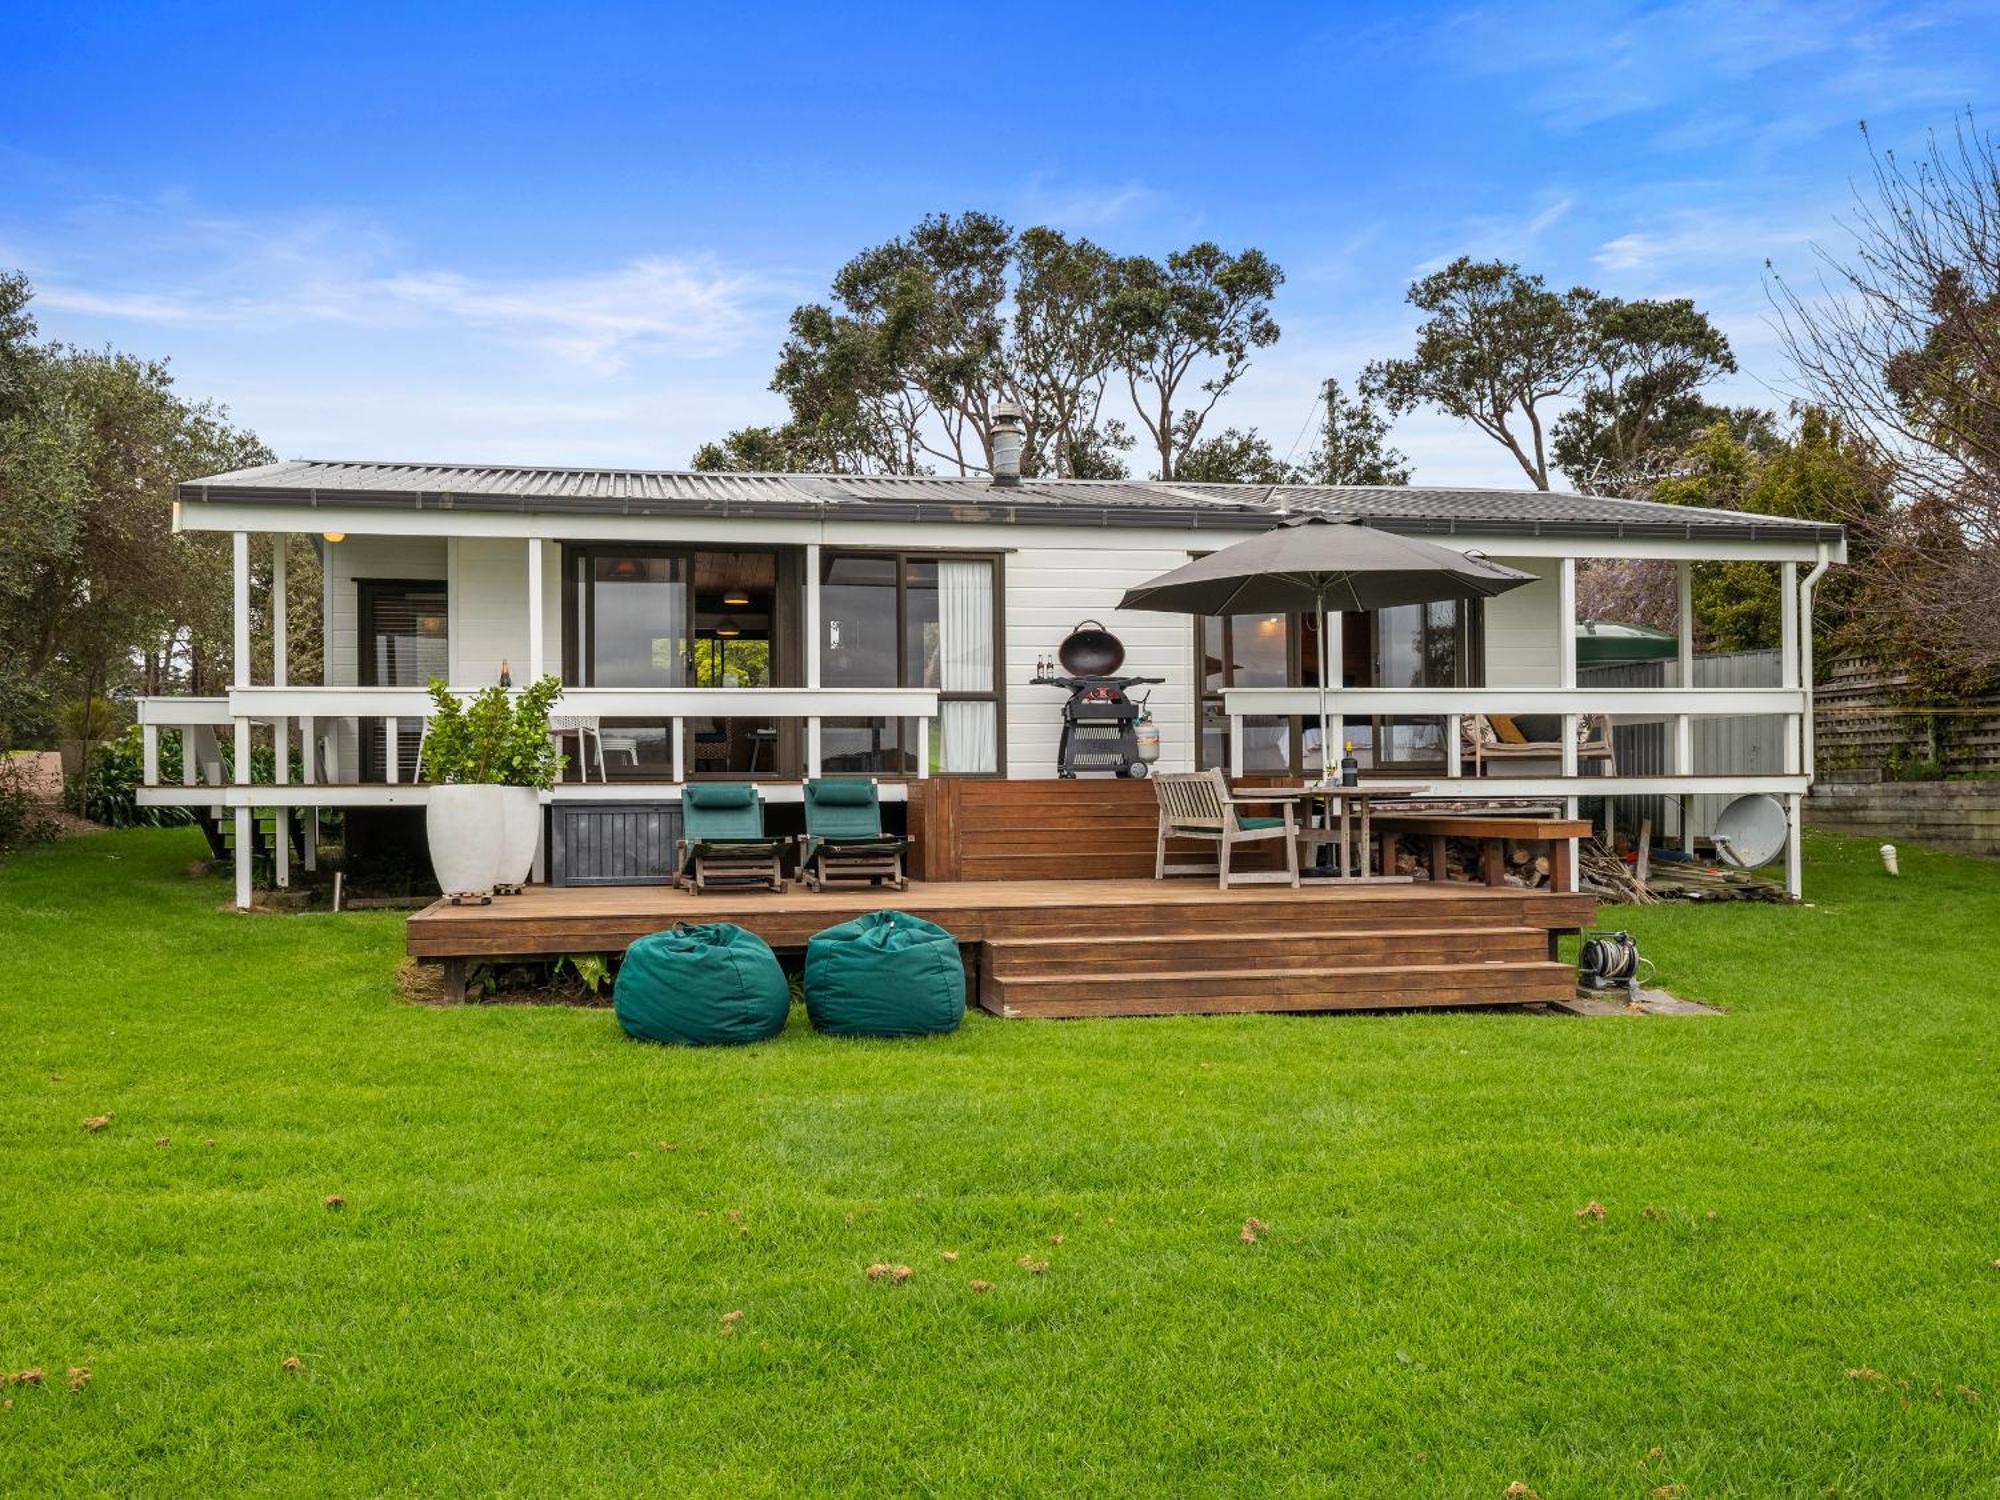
(1792, 1291)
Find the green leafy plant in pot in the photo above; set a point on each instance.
(487, 761)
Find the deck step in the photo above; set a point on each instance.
(1299, 945)
(1206, 991)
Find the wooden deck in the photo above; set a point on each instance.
(1104, 947)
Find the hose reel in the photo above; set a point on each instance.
(1608, 960)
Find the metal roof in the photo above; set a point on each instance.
(1412, 509)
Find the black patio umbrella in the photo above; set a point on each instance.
(1316, 563)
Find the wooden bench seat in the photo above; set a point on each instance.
(1492, 832)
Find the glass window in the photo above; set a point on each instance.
(638, 621)
(858, 636)
(1260, 651)
(912, 622)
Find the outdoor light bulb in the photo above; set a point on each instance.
(334, 536)
(727, 628)
(1268, 626)
(736, 601)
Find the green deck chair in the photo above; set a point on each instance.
(723, 843)
(845, 844)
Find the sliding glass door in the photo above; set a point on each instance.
(1423, 645)
(639, 617)
(906, 620)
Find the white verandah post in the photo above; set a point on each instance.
(1566, 662)
(537, 667)
(281, 736)
(1683, 726)
(239, 676)
(536, 664)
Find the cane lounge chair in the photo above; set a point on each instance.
(723, 844)
(845, 844)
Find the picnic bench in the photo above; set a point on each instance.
(1492, 833)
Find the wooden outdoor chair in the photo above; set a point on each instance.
(1199, 805)
(845, 844)
(1483, 743)
(723, 843)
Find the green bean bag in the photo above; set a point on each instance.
(701, 986)
(885, 974)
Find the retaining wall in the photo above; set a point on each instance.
(1962, 816)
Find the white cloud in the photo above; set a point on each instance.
(215, 272)
(657, 304)
(1084, 206)
(1704, 237)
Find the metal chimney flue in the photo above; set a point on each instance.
(1010, 435)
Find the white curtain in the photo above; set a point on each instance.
(965, 665)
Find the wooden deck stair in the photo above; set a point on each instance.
(1336, 967)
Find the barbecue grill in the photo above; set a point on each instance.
(1100, 719)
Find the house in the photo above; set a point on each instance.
(775, 626)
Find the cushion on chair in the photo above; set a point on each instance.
(698, 986)
(1259, 822)
(719, 794)
(885, 973)
(857, 792)
(1505, 730)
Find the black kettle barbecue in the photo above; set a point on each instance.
(1099, 719)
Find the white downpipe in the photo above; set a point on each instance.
(1806, 587)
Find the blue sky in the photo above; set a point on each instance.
(573, 234)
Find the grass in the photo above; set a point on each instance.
(1792, 1290)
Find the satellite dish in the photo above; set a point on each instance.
(1751, 831)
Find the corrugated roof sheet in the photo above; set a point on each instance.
(1404, 508)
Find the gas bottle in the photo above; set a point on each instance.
(1146, 737)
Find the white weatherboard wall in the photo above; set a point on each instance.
(357, 557)
(489, 610)
(1051, 589)
(404, 557)
(1523, 635)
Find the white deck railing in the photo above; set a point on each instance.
(1676, 707)
(197, 719)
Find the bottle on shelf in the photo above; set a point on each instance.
(506, 677)
(1350, 768)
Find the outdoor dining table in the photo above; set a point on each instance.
(1331, 802)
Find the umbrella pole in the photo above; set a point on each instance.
(1325, 739)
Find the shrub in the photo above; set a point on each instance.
(496, 739)
(22, 820)
(108, 792)
(89, 718)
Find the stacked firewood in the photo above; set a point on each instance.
(1602, 874)
(1527, 862)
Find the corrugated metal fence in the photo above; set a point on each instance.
(1743, 746)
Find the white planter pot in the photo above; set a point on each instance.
(523, 816)
(477, 836)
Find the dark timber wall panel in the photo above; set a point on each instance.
(613, 843)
